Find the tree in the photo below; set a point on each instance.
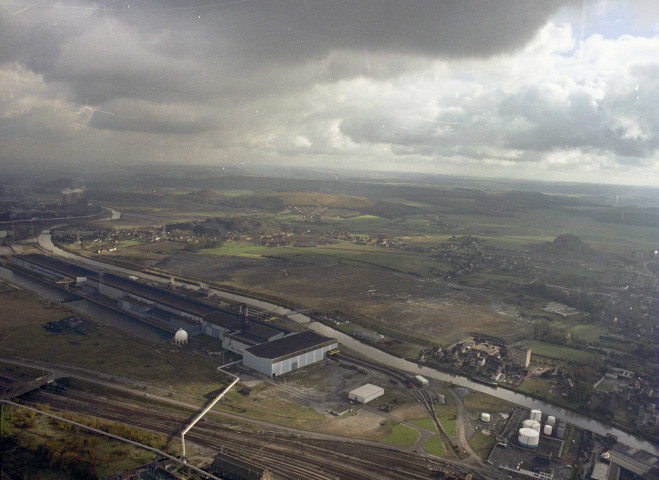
(581, 392)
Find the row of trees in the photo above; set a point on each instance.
(78, 455)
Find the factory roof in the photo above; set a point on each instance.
(367, 390)
(632, 459)
(290, 345)
(65, 268)
(159, 295)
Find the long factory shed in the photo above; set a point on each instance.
(265, 348)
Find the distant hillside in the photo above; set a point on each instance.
(566, 244)
(276, 202)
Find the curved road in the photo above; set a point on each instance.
(374, 354)
(103, 379)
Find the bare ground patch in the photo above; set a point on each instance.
(412, 305)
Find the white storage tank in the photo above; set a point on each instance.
(551, 420)
(547, 430)
(181, 337)
(528, 438)
(532, 424)
(485, 417)
(536, 415)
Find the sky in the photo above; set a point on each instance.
(542, 90)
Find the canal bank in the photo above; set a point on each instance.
(571, 417)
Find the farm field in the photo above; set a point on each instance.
(559, 352)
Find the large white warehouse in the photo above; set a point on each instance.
(289, 353)
(366, 393)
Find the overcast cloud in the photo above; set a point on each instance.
(546, 90)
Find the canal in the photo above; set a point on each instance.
(571, 417)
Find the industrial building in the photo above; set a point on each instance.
(53, 269)
(289, 353)
(264, 347)
(521, 356)
(160, 307)
(368, 335)
(638, 463)
(366, 393)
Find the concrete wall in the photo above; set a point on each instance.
(266, 366)
(263, 365)
(229, 343)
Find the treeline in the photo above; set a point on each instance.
(78, 455)
(579, 300)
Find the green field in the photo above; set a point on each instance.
(401, 435)
(481, 402)
(426, 423)
(545, 389)
(559, 352)
(434, 446)
(481, 443)
(238, 249)
(589, 333)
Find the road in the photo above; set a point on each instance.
(374, 354)
(167, 397)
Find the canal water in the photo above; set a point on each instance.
(513, 397)
(401, 364)
(91, 309)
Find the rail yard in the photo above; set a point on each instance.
(288, 455)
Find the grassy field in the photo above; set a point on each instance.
(426, 423)
(481, 444)
(559, 352)
(542, 388)
(449, 425)
(102, 348)
(434, 446)
(589, 333)
(481, 402)
(401, 435)
(264, 403)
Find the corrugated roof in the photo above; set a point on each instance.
(289, 345)
(367, 390)
(158, 294)
(52, 263)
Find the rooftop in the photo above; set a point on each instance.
(65, 268)
(290, 345)
(367, 390)
(158, 295)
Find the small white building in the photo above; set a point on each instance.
(366, 393)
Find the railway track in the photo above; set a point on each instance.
(290, 456)
(390, 372)
(424, 399)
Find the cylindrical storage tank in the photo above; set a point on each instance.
(532, 424)
(551, 420)
(528, 438)
(547, 430)
(485, 417)
(536, 415)
(181, 337)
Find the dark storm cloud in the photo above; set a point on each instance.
(158, 48)
(476, 81)
(141, 116)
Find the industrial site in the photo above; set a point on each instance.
(372, 419)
